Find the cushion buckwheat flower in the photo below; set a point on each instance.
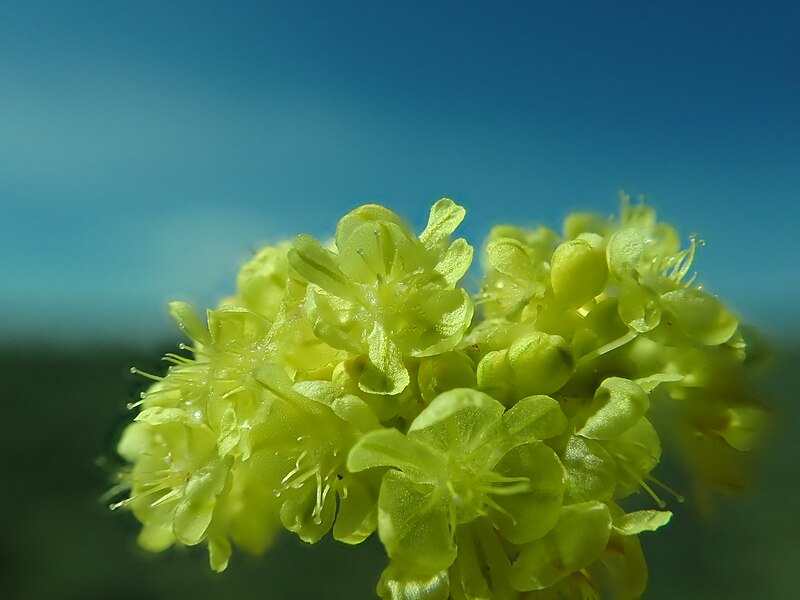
(385, 293)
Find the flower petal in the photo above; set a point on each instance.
(413, 524)
(390, 448)
(457, 422)
(444, 218)
(617, 405)
(193, 514)
(455, 262)
(641, 520)
(578, 538)
(358, 516)
(530, 514)
(534, 418)
(387, 374)
(397, 583)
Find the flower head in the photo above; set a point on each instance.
(386, 293)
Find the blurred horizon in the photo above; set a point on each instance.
(146, 151)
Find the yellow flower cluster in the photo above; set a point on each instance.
(495, 441)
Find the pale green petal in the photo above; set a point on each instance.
(624, 253)
(744, 427)
(194, 513)
(591, 472)
(455, 262)
(444, 372)
(233, 327)
(229, 432)
(457, 422)
(397, 583)
(358, 515)
(445, 217)
(577, 223)
(700, 316)
(470, 568)
(510, 258)
(579, 537)
(387, 374)
(638, 307)
(262, 281)
(347, 407)
(190, 322)
(535, 418)
(432, 320)
(638, 451)
(494, 375)
(317, 265)
(379, 251)
(622, 570)
(157, 415)
(641, 520)
(157, 536)
(540, 363)
(390, 448)
(413, 524)
(578, 272)
(366, 213)
(219, 553)
(298, 513)
(651, 382)
(617, 405)
(334, 320)
(528, 515)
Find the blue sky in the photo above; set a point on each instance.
(146, 148)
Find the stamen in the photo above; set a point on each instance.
(679, 497)
(175, 493)
(136, 371)
(500, 509)
(652, 494)
(605, 349)
(227, 395)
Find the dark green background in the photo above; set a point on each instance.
(63, 409)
